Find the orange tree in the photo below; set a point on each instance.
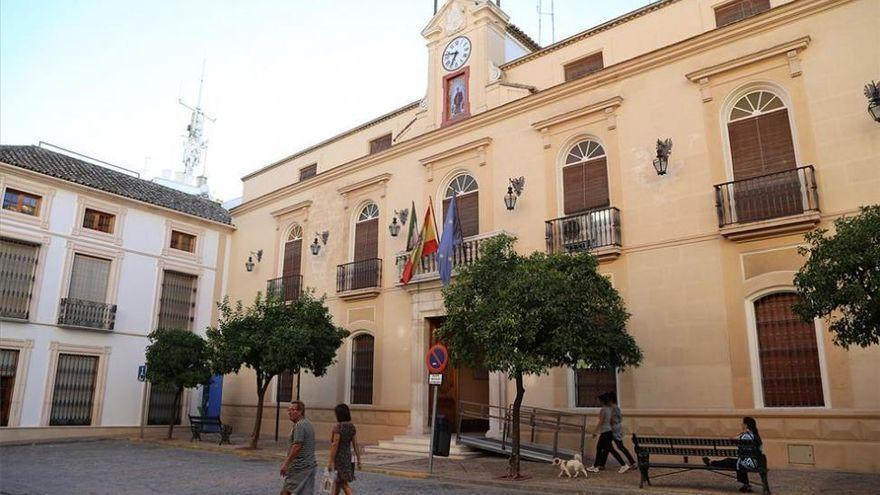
(271, 337)
(522, 315)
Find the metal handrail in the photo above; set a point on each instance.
(767, 196)
(363, 274)
(583, 231)
(286, 288)
(464, 254)
(86, 314)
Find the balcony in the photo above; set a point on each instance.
(596, 231)
(86, 314)
(359, 279)
(465, 253)
(285, 289)
(768, 205)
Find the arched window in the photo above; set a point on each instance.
(366, 233)
(467, 201)
(788, 353)
(585, 178)
(291, 268)
(362, 369)
(760, 144)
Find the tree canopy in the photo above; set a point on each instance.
(177, 359)
(841, 278)
(523, 315)
(271, 337)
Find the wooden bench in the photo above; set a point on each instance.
(197, 425)
(696, 448)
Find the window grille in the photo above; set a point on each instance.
(738, 10)
(8, 369)
(74, 392)
(161, 406)
(591, 383)
(380, 144)
(584, 66)
(308, 171)
(285, 387)
(362, 369)
(177, 302)
(18, 262)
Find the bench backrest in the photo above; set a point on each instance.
(696, 447)
(205, 420)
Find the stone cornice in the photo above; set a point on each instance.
(703, 42)
(464, 148)
(380, 179)
(796, 46)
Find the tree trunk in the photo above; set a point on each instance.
(513, 467)
(174, 413)
(258, 421)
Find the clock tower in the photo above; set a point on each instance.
(467, 41)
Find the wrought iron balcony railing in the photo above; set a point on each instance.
(585, 231)
(766, 197)
(87, 314)
(464, 254)
(362, 274)
(286, 288)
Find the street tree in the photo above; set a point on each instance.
(522, 315)
(841, 278)
(271, 337)
(177, 359)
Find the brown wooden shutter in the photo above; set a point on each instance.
(596, 184)
(380, 144)
(738, 10)
(366, 240)
(308, 171)
(468, 213)
(285, 387)
(591, 383)
(789, 354)
(584, 66)
(362, 369)
(573, 189)
(292, 258)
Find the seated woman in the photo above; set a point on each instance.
(743, 464)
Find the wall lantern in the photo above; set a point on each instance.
(664, 148)
(394, 227)
(249, 264)
(514, 190)
(872, 92)
(315, 247)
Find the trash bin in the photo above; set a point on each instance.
(442, 436)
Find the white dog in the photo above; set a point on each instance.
(575, 465)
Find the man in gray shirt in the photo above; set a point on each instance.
(300, 465)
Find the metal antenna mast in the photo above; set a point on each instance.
(195, 145)
(552, 15)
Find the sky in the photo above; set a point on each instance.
(103, 78)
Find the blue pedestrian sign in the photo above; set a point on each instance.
(142, 373)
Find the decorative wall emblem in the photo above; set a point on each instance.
(495, 73)
(454, 19)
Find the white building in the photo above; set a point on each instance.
(91, 261)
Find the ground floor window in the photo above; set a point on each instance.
(74, 393)
(161, 408)
(8, 368)
(590, 383)
(788, 353)
(285, 387)
(362, 369)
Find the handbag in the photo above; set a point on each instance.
(327, 481)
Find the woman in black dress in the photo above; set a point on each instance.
(342, 442)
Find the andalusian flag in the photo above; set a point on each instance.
(413, 231)
(426, 243)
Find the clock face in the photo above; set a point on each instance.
(456, 53)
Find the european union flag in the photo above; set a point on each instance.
(449, 241)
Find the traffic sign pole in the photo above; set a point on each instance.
(433, 428)
(436, 360)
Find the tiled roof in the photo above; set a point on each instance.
(523, 38)
(67, 168)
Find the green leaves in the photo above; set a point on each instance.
(530, 314)
(177, 358)
(841, 278)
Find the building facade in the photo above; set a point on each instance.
(92, 261)
(763, 103)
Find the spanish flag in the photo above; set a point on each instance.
(426, 243)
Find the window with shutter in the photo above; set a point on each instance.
(585, 178)
(177, 301)
(74, 392)
(308, 171)
(584, 66)
(362, 369)
(18, 263)
(89, 278)
(467, 202)
(738, 10)
(591, 383)
(788, 353)
(366, 234)
(285, 387)
(21, 202)
(380, 144)
(8, 371)
(183, 241)
(98, 220)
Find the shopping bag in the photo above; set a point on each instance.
(327, 482)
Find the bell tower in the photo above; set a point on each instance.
(466, 45)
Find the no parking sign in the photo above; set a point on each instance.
(437, 359)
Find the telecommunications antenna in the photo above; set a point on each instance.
(195, 145)
(552, 15)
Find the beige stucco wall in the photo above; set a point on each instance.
(687, 287)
